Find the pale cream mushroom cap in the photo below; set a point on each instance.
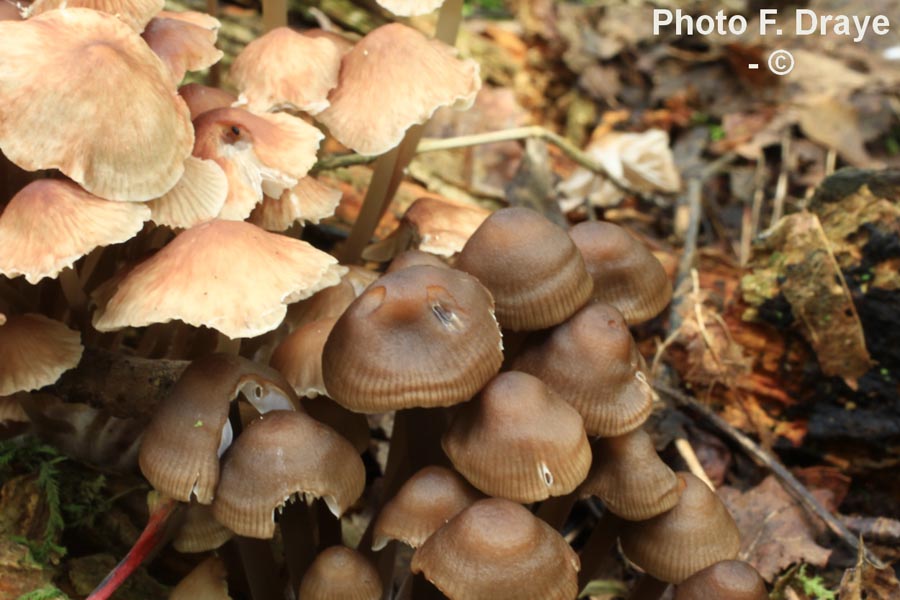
(394, 78)
(228, 275)
(34, 352)
(197, 197)
(111, 119)
(201, 98)
(309, 201)
(51, 223)
(182, 41)
(134, 13)
(267, 153)
(285, 69)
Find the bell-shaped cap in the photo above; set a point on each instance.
(197, 197)
(415, 258)
(282, 454)
(695, 534)
(228, 275)
(630, 478)
(207, 581)
(411, 8)
(189, 430)
(34, 352)
(392, 79)
(424, 504)
(497, 549)
(134, 13)
(200, 532)
(531, 267)
(731, 579)
(517, 440)
(591, 363)
(309, 201)
(626, 275)
(339, 573)
(132, 145)
(201, 98)
(183, 41)
(51, 223)
(422, 336)
(287, 70)
(299, 357)
(267, 153)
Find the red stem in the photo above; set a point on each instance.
(148, 541)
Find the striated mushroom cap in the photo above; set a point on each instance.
(630, 478)
(339, 573)
(51, 223)
(197, 197)
(517, 440)
(129, 146)
(183, 41)
(309, 201)
(189, 430)
(497, 549)
(200, 532)
(392, 79)
(591, 363)
(285, 69)
(282, 454)
(227, 275)
(422, 336)
(34, 352)
(626, 275)
(531, 267)
(729, 579)
(424, 504)
(695, 534)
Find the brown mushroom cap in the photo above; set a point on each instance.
(626, 275)
(422, 336)
(415, 258)
(200, 532)
(729, 579)
(201, 98)
(424, 504)
(497, 549)
(630, 478)
(332, 301)
(34, 352)
(695, 534)
(285, 69)
(401, 76)
(531, 267)
(339, 573)
(207, 581)
(51, 223)
(132, 145)
(299, 357)
(518, 440)
(591, 363)
(181, 447)
(134, 13)
(228, 275)
(282, 454)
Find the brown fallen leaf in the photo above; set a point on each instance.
(834, 123)
(776, 531)
(864, 581)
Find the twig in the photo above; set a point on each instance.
(505, 135)
(686, 451)
(787, 479)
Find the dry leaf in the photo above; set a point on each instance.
(865, 582)
(776, 531)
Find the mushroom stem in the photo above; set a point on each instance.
(648, 588)
(149, 540)
(72, 290)
(299, 539)
(259, 567)
(598, 545)
(554, 511)
(329, 527)
(389, 167)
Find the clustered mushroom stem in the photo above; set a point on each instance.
(648, 588)
(599, 543)
(297, 530)
(259, 568)
(274, 13)
(72, 290)
(150, 539)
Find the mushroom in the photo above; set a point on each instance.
(626, 275)
(731, 579)
(591, 362)
(134, 13)
(201, 98)
(531, 267)
(414, 258)
(207, 581)
(339, 573)
(35, 351)
(132, 145)
(197, 197)
(517, 440)
(183, 41)
(309, 201)
(497, 549)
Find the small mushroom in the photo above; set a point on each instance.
(339, 573)
(35, 351)
(729, 579)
